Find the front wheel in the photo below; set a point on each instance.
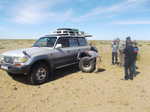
(39, 74)
(87, 65)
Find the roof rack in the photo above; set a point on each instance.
(70, 32)
(51, 35)
(71, 29)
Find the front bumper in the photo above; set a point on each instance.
(16, 70)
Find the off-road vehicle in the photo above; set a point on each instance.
(62, 48)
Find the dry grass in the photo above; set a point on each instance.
(14, 44)
(79, 92)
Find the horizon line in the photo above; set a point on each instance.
(38, 38)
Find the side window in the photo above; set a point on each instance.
(64, 41)
(73, 42)
(51, 41)
(65, 32)
(58, 31)
(82, 41)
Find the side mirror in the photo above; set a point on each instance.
(58, 46)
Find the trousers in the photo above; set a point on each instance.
(129, 70)
(114, 57)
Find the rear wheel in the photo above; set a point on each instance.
(87, 65)
(39, 73)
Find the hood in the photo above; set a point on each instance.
(30, 51)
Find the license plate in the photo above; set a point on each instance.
(4, 67)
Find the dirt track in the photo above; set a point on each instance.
(81, 92)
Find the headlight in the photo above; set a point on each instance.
(20, 59)
(1, 58)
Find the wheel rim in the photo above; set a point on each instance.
(41, 74)
(86, 64)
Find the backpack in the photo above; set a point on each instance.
(136, 50)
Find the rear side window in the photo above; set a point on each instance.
(58, 31)
(64, 41)
(73, 42)
(82, 41)
(65, 31)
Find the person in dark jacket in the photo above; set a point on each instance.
(128, 40)
(129, 61)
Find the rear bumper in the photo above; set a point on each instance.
(14, 69)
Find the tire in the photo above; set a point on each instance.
(39, 74)
(87, 65)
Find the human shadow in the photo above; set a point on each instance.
(100, 70)
(136, 73)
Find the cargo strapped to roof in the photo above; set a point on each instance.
(70, 32)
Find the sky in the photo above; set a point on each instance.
(104, 19)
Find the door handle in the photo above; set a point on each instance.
(69, 51)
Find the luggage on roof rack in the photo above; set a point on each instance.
(70, 32)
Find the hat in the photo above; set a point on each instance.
(128, 38)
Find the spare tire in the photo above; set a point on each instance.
(87, 64)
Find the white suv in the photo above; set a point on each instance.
(48, 53)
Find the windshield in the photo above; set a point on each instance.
(45, 42)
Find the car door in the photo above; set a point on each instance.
(73, 49)
(83, 44)
(63, 55)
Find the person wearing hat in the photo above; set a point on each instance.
(128, 40)
(121, 54)
(129, 61)
(115, 52)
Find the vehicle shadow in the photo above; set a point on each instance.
(20, 78)
(57, 74)
(65, 71)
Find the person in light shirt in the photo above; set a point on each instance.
(114, 52)
(121, 54)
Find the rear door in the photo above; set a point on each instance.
(73, 48)
(63, 55)
(77, 44)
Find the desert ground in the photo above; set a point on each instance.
(74, 91)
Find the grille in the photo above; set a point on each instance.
(8, 60)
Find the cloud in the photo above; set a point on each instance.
(38, 11)
(28, 15)
(59, 16)
(133, 22)
(35, 11)
(113, 9)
